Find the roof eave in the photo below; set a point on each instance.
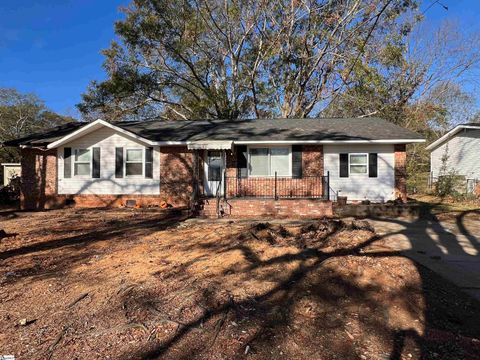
(92, 127)
(450, 134)
(353, 141)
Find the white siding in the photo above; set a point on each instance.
(360, 186)
(463, 154)
(108, 139)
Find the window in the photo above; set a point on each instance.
(358, 164)
(259, 162)
(82, 162)
(280, 161)
(134, 162)
(215, 164)
(267, 161)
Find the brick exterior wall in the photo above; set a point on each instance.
(39, 179)
(283, 208)
(401, 172)
(176, 171)
(39, 184)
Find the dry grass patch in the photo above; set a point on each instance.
(143, 284)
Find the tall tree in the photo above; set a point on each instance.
(21, 115)
(236, 58)
(417, 82)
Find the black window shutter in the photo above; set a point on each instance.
(343, 165)
(96, 163)
(297, 161)
(242, 161)
(372, 165)
(149, 163)
(119, 162)
(67, 162)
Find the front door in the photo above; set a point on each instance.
(214, 167)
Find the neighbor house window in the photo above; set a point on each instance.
(134, 162)
(82, 162)
(267, 161)
(358, 163)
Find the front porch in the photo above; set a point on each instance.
(269, 197)
(285, 181)
(277, 187)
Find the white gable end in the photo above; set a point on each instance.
(107, 139)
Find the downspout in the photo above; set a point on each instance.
(194, 197)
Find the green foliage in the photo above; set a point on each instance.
(448, 181)
(236, 58)
(448, 185)
(9, 194)
(21, 115)
(248, 59)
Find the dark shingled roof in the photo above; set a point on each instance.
(245, 130)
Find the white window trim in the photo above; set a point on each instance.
(269, 161)
(205, 163)
(74, 150)
(133, 162)
(350, 164)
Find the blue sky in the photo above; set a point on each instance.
(52, 47)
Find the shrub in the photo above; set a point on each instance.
(11, 192)
(448, 185)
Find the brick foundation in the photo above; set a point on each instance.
(90, 200)
(283, 208)
(401, 172)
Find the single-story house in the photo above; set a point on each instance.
(9, 171)
(252, 167)
(458, 151)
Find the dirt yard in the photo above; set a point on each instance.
(141, 284)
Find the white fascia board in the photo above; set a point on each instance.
(10, 164)
(161, 143)
(86, 129)
(289, 142)
(210, 145)
(449, 134)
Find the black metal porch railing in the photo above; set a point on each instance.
(278, 187)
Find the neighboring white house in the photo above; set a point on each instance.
(457, 150)
(10, 170)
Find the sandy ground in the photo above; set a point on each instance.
(123, 284)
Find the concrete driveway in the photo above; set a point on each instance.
(448, 246)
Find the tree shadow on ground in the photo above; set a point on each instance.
(73, 245)
(448, 316)
(314, 302)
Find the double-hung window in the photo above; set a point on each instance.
(134, 162)
(82, 162)
(358, 163)
(266, 161)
